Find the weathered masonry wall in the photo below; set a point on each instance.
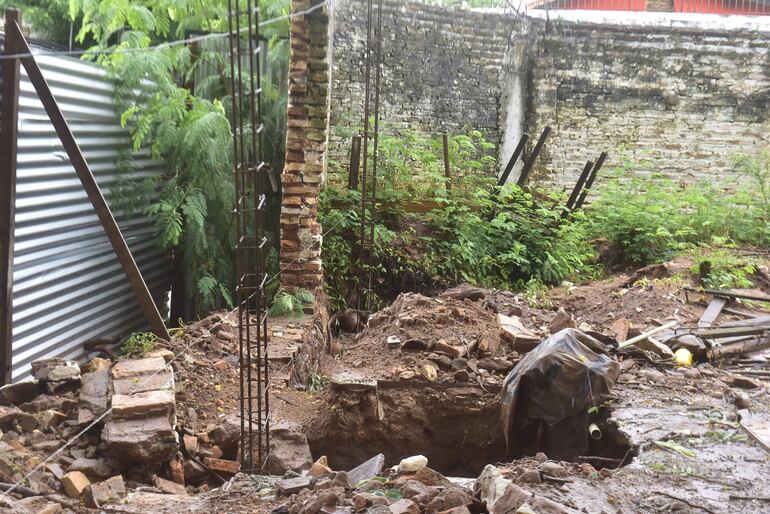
(305, 148)
(680, 93)
(441, 70)
(683, 96)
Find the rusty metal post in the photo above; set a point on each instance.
(9, 117)
(591, 178)
(512, 161)
(447, 170)
(86, 176)
(355, 162)
(578, 187)
(532, 158)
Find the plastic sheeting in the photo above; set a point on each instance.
(563, 376)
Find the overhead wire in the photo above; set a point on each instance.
(160, 46)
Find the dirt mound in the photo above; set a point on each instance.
(455, 332)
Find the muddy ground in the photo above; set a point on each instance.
(425, 375)
(679, 426)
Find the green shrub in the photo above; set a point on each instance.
(723, 269)
(138, 344)
(291, 303)
(467, 232)
(649, 219)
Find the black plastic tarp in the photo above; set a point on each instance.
(562, 377)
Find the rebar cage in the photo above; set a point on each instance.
(252, 177)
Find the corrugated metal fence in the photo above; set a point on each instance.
(67, 284)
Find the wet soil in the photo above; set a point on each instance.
(686, 450)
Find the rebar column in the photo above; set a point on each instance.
(252, 176)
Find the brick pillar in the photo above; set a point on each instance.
(306, 139)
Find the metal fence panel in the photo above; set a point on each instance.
(68, 286)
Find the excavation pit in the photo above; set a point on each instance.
(455, 425)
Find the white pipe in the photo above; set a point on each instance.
(645, 335)
(595, 431)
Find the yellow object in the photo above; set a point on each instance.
(218, 387)
(683, 357)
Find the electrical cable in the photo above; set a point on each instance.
(161, 46)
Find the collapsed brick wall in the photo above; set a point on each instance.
(685, 99)
(441, 70)
(306, 140)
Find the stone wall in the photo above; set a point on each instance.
(675, 93)
(679, 98)
(306, 140)
(441, 70)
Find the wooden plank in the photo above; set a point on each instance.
(741, 348)
(759, 430)
(9, 118)
(712, 312)
(731, 293)
(89, 184)
(713, 333)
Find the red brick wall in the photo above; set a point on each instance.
(306, 140)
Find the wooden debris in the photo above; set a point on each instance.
(645, 335)
(741, 348)
(712, 312)
(759, 430)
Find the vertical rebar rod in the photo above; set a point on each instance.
(362, 234)
(373, 207)
(232, 39)
(250, 183)
(447, 169)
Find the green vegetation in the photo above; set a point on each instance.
(514, 238)
(138, 344)
(469, 232)
(317, 383)
(175, 101)
(652, 219)
(48, 19)
(723, 269)
(291, 303)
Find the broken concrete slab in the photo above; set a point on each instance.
(138, 367)
(289, 449)
(163, 380)
(102, 493)
(352, 382)
(94, 468)
(289, 486)
(9, 414)
(143, 404)
(20, 392)
(514, 332)
(56, 370)
(50, 418)
(404, 506)
(367, 470)
(144, 440)
(167, 486)
(94, 395)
